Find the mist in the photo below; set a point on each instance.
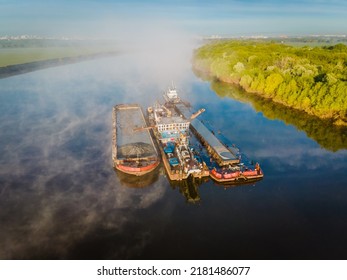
(60, 197)
(58, 188)
(57, 184)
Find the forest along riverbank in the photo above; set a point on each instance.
(310, 79)
(18, 69)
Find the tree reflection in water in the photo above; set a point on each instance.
(327, 135)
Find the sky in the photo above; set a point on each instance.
(117, 18)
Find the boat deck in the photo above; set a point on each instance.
(220, 152)
(130, 143)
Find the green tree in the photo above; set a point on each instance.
(272, 82)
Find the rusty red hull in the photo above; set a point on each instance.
(133, 150)
(237, 176)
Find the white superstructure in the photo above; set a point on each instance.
(169, 123)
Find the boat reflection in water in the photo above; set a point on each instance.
(133, 181)
(189, 188)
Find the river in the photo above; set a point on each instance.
(61, 199)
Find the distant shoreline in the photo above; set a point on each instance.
(18, 69)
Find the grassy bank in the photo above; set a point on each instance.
(311, 79)
(14, 56)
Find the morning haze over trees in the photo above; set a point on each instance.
(311, 79)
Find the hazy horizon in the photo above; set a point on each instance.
(124, 19)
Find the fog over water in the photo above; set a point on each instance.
(57, 185)
(61, 199)
(57, 180)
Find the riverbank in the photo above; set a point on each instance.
(310, 79)
(22, 68)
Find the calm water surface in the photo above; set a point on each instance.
(61, 199)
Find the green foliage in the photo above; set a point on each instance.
(272, 82)
(246, 81)
(310, 79)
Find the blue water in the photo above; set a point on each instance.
(61, 199)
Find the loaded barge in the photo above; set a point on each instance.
(133, 152)
(226, 163)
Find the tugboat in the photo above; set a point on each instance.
(171, 131)
(171, 95)
(132, 152)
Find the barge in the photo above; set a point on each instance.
(171, 131)
(226, 164)
(133, 152)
